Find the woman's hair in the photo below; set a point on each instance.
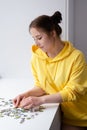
(48, 23)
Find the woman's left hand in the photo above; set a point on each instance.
(30, 102)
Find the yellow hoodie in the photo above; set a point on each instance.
(67, 74)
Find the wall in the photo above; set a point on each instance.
(70, 21)
(15, 41)
(80, 28)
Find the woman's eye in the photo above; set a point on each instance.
(39, 38)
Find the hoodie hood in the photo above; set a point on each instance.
(67, 50)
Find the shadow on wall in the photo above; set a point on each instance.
(0, 76)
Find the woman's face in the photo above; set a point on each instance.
(42, 40)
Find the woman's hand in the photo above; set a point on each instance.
(30, 102)
(17, 100)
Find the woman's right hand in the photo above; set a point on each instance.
(17, 100)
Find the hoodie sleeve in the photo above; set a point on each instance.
(33, 69)
(77, 84)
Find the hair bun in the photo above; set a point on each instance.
(56, 17)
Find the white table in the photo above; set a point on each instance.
(49, 119)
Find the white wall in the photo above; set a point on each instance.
(15, 41)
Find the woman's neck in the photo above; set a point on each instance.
(58, 46)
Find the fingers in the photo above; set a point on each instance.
(26, 102)
(16, 101)
(29, 106)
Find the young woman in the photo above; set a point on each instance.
(60, 73)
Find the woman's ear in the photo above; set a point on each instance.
(53, 33)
